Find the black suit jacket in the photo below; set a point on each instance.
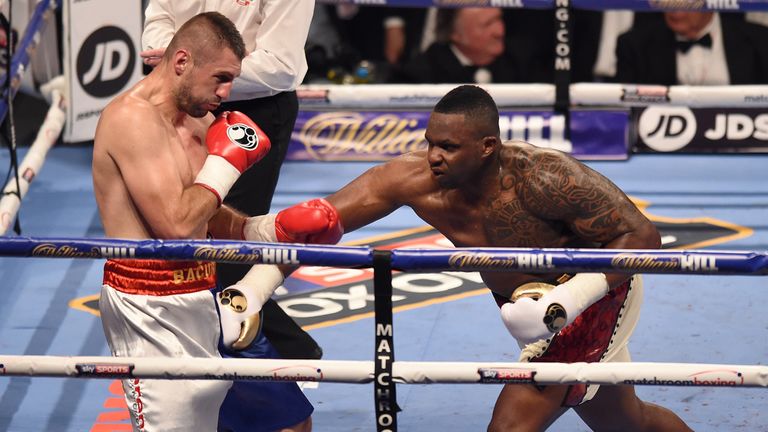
(647, 55)
(438, 64)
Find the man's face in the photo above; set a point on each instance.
(479, 34)
(207, 83)
(455, 151)
(687, 24)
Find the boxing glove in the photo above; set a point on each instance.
(314, 221)
(240, 305)
(234, 144)
(529, 320)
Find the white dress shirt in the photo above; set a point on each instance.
(701, 65)
(274, 32)
(615, 22)
(482, 74)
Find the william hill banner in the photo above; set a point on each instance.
(380, 135)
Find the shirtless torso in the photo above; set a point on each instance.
(168, 153)
(525, 204)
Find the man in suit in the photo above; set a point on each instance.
(471, 47)
(694, 48)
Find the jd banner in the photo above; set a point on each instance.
(101, 58)
(665, 129)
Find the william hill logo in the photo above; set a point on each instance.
(52, 250)
(630, 261)
(228, 255)
(518, 261)
(642, 262)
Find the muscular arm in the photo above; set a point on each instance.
(227, 223)
(169, 205)
(371, 196)
(557, 187)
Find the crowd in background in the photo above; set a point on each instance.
(350, 43)
(369, 44)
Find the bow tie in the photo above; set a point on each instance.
(479, 74)
(705, 41)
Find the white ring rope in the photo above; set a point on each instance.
(33, 161)
(531, 95)
(404, 372)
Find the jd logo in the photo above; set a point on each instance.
(106, 61)
(667, 129)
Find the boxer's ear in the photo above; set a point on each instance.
(181, 61)
(489, 145)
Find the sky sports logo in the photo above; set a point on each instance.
(506, 375)
(105, 370)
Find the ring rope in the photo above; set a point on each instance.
(637, 5)
(530, 95)
(569, 260)
(202, 250)
(457, 259)
(404, 372)
(33, 161)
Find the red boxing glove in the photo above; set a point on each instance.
(234, 144)
(314, 221)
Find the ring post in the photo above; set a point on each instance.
(383, 386)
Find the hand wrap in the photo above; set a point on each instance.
(240, 305)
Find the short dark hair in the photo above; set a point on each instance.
(208, 31)
(475, 104)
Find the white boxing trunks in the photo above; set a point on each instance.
(599, 334)
(168, 309)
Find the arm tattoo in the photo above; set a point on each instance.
(556, 188)
(511, 224)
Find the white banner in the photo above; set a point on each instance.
(101, 58)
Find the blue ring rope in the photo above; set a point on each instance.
(459, 259)
(202, 250)
(575, 260)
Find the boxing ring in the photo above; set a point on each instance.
(383, 372)
(701, 329)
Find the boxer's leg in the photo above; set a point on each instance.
(169, 326)
(524, 407)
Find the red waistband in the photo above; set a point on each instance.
(157, 277)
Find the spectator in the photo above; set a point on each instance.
(593, 39)
(323, 42)
(275, 32)
(694, 48)
(377, 38)
(471, 47)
